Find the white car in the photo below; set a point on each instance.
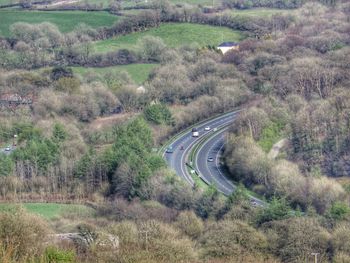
(8, 148)
(207, 128)
(215, 129)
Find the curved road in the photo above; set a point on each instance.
(207, 159)
(210, 171)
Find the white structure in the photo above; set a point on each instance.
(226, 46)
(141, 90)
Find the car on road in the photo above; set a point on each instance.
(210, 159)
(169, 149)
(8, 148)
(207, 128)
(195, 132)
(215, 129)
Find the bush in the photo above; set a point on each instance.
(69, 85)
(6, 165)
(276, 210)
(231, 238)
(22, 235)
(341, 238)
(61, 72)
(55, 255)
(190, 224)
(151, 48)
(294, 239)
(339, 211)
(159, 114)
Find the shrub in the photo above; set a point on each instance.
(294, 239)
(70, 85)
(339, 211)
(22, 235)
(277, 209)
(230, 238)
(190, 224)
(341, 238)
(6, 165)
(55, 255)
(61, 72)
(159, 114)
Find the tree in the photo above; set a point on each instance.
(61, 72)
(6, 165)
(59, 134)
(159, 114)
(339, 211)
(22, 235)
(151, 48)
(276, 210)
(190, 224)
(294, 239)
(341, 238)
(225, 239)
(69, 85)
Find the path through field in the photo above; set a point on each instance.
(275, 150)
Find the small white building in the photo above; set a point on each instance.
(226, 46)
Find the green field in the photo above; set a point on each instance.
(50, 210)
(105, 3)
(174, 35)
(197, 2)
(135, 3)
(65, 20)
(260, 12)
(138, 72)
(7, 2)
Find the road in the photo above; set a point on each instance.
(177, 159)
(211, 170)
(207, 158)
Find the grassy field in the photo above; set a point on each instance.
(65, 20)
(197, 2)
(261, 12)
(7, 2)
(138, 72)
(105, 3)
(174, 35)
(50, 210)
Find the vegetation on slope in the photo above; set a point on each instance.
(292, 71)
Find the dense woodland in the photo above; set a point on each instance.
(94, 140)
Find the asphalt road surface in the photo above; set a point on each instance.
(207, 161)
(177, 159)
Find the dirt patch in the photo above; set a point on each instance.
(109, 121)
(276, 148)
